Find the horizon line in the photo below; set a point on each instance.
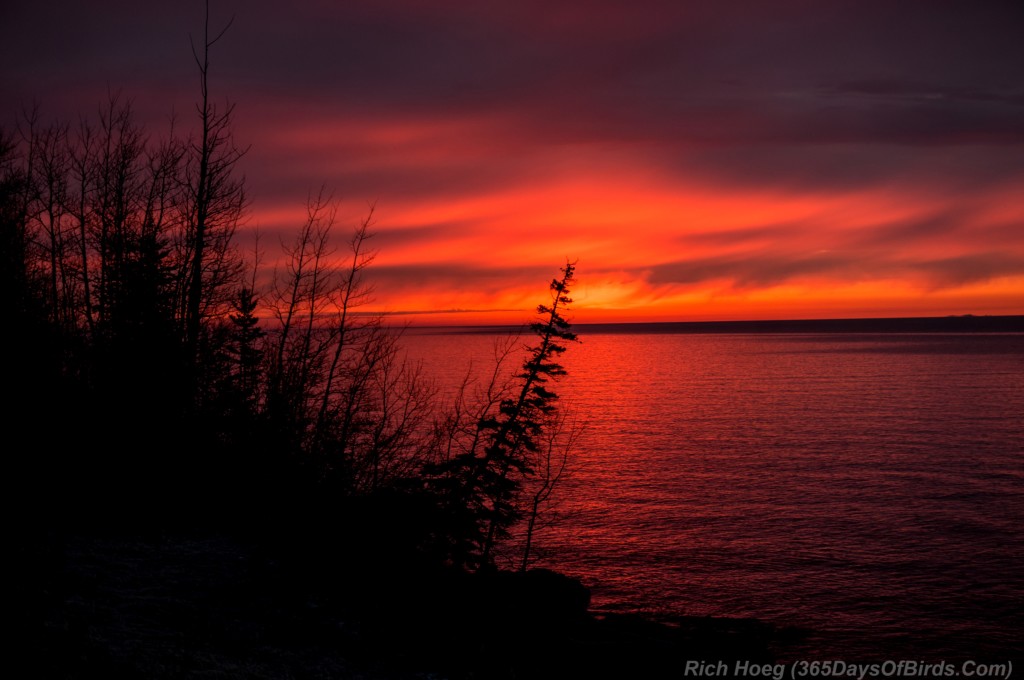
(1015, 321)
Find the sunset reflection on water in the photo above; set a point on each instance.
(867, 487)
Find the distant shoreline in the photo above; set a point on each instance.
(938, 324)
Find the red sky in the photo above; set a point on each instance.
(733, 160)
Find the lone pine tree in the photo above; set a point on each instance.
(482, 486)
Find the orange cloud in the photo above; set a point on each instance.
(650, 246)
(658, 245)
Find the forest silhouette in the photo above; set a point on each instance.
(167, 387)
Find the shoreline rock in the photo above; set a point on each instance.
(175, 606)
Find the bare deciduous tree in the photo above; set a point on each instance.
(551, 468)
(215, 202)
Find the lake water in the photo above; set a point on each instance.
(866, 486)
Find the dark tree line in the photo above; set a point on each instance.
(158, 373)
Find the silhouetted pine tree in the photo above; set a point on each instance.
(245, 349)
(480, 488)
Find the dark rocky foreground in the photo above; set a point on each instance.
(173, 606)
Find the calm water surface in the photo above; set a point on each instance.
(869, 488)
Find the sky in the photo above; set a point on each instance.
(698, 160)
